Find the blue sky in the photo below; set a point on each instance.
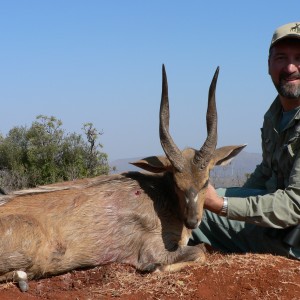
(100, 62)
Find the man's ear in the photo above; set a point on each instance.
(222, 156)
(155, 164)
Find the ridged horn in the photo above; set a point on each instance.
(171, 150)
(203, 156)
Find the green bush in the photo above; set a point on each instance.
(44, 154)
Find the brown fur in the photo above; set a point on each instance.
(143, 219)
(130, 218)
(109, 219)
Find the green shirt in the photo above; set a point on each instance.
(278, 173)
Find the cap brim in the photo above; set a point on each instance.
(286, 37)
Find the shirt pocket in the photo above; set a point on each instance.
(268, 144)
(293, 144)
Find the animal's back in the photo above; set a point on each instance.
(75, 224)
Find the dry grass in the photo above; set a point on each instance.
(235, 276)
(7, 285)
(119, 282)
(249, 266)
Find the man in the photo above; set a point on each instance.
(262, 215)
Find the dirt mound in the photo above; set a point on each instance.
(250, 276)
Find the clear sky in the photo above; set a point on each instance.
(100, 62)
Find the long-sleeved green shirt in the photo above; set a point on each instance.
(278, 173)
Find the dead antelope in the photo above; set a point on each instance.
(141, 219)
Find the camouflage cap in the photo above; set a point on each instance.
(290, 30)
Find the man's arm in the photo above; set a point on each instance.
(213, 202)
(278, 210)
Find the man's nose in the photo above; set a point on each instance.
(292, 67)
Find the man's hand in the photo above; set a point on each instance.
(213, 202)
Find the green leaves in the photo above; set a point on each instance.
(44, 154)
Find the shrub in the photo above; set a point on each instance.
(44, 154)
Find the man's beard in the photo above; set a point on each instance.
(288, 89)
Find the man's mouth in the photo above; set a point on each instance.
(291, 78)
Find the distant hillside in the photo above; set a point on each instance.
(232, 175)
(235, 173)
(123, 165)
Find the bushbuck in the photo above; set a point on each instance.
(141, 219)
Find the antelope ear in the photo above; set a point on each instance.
(155, 164)
(223, 156)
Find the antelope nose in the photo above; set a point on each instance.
(191, 223)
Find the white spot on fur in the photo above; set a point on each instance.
(188, 200)
(8, 232)
(21, 275)
(196, 198)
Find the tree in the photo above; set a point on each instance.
(44, 154)
(96, 159)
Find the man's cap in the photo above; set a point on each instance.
(290, 30)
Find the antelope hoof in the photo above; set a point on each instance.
(22, 280)
(149, 267)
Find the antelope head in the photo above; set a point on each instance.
(190, 168)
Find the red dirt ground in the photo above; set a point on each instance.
(250, 276)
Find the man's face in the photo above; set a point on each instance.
(284, 68)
